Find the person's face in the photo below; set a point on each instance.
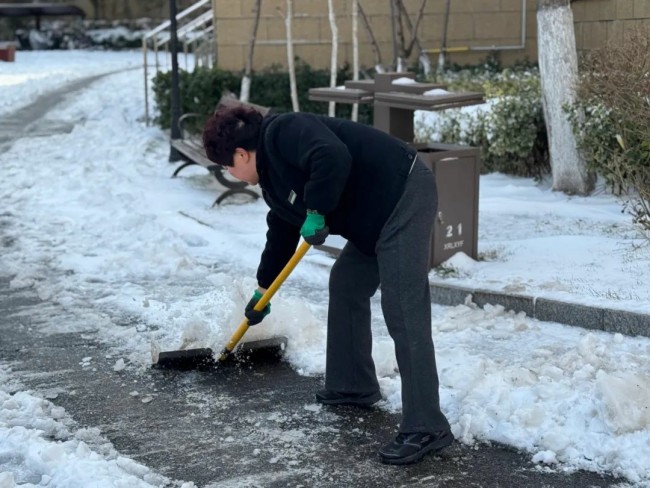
(244, 166)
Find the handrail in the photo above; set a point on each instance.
(181, 15)
(165, 26)
(196, 39)
(204, 18)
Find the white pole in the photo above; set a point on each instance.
(292, 69)
(333, 62)
(146, 82)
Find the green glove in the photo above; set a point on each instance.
(255, 317)
(314, 229)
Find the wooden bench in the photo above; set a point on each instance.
(190, 149)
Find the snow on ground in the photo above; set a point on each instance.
(536, 242)
(41, 446)
(101, 230)
(37, 72)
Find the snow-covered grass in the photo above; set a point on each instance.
(101, 229)
(537, 242)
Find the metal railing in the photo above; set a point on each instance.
(201, 44)
(194, 18)
(456, 49)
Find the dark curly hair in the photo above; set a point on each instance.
(230, 128)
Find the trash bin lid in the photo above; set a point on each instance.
(428, 102)
(416, 87)
(340, 95)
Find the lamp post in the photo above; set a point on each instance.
(174, 155)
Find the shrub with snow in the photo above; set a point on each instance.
(509, 128)
(612, 119)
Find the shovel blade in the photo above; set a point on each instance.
(186, 359)
(262, 350)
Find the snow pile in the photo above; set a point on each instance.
(404, 81)
(39, 445)
(435, 92)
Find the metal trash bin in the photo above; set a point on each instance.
(457, 170)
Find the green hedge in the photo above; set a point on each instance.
(201, 89)
(511, 134)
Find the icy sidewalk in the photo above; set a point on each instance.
(253, 427)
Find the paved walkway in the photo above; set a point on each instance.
(256, 426)
(28, 121)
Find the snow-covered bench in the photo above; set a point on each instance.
(190, 148)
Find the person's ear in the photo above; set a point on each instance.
(241, 155)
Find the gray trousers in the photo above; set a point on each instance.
(401, 265)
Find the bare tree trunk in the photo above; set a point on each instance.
(290, 61)
(414, 29)
(245, 90)
(398, 36)
(127, 14)
(443, 47)
(333, 63)
(558, 66)
(379, 67)
(425, 61)
(355, 53)
(95, 4)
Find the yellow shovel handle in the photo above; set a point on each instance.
(266, 298)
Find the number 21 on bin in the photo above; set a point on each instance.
(450, 230)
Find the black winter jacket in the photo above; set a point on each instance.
(351, 173)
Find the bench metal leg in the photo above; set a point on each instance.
(218, 173)
(182, 166)
(234, 191)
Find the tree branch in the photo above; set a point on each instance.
(373, 41)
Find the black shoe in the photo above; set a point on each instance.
(328, 397)
(409, 448)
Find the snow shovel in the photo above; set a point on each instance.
(204, 357)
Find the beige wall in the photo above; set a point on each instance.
(600, 21)
(472, 23)
(480, 23)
